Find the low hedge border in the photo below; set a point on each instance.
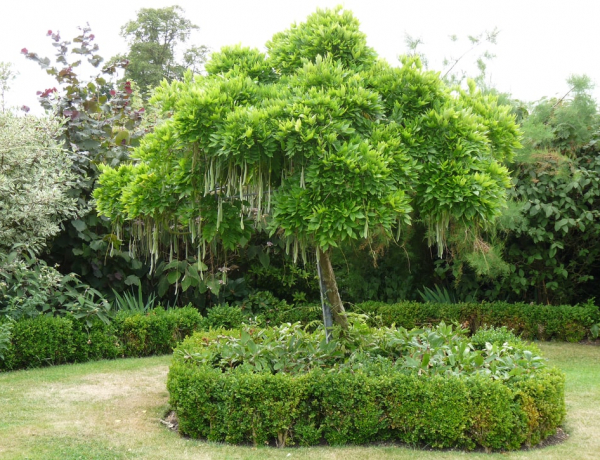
(48, 340)
(359, 407)
(530, 321)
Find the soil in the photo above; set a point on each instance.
(170, 421)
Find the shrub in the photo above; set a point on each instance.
(154, 332)
(493, 335)
(224, 316)
(530, 321)
(46, 340)
(285, 386)
(95, 341)
(40, 341)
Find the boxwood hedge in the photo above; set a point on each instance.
(47, 340)
(571, 323)
(356, 404)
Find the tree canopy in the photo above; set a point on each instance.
(319, 141)
(153, 38)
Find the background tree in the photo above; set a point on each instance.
(554, 248)
(101, 122)
(153, 39)
(319, 143)
(544, 247)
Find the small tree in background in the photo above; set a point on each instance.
(101, 122)
(320, 143)
(153, 38)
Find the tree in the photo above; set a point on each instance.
(153, 39)
(35, 180)
(554, 247)
(320, 143)
(101, 122)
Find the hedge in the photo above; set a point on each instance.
(47, 340)
(363, 406)
(530, 321)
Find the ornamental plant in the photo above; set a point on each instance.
(284, 386)
(35, 182)
(319, 142)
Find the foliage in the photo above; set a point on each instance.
(267, 266)
(385, 273)
(544, 248)
(290, 349)
(129, 302)
(339, 147)
(224, 316)
(6, 76)
(530, 321)
(100, 125)
(34, 182)
(5, 337)
(261, 302)
(153, 38)
(41, 341)
(46, 340)
(440, 295)
(278, 386)
(553, 250)
(29, 287)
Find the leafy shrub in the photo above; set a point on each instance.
(46, 340)
(285, 386)
(290, 349)
(154, 332)
(493, 335)
(29, 287)
(224, 316)
(5, 336)
(263, 302)
(94, 341)
(40, 341)
(530, 321)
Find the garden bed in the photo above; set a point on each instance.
(284, 386)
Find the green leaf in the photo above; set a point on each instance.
(264, 259)
(132, 280)
(79, 225)
(173, 276)
(214, 286)
(163, 286)
(186, 283)
(560, 224)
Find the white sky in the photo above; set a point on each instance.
(541, 42)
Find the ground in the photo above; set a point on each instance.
(113, 410)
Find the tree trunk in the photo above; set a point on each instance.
(329, 291)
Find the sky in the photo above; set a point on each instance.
(540, 44)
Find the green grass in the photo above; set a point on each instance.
(112, 410)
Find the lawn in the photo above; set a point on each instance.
(112, 410)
